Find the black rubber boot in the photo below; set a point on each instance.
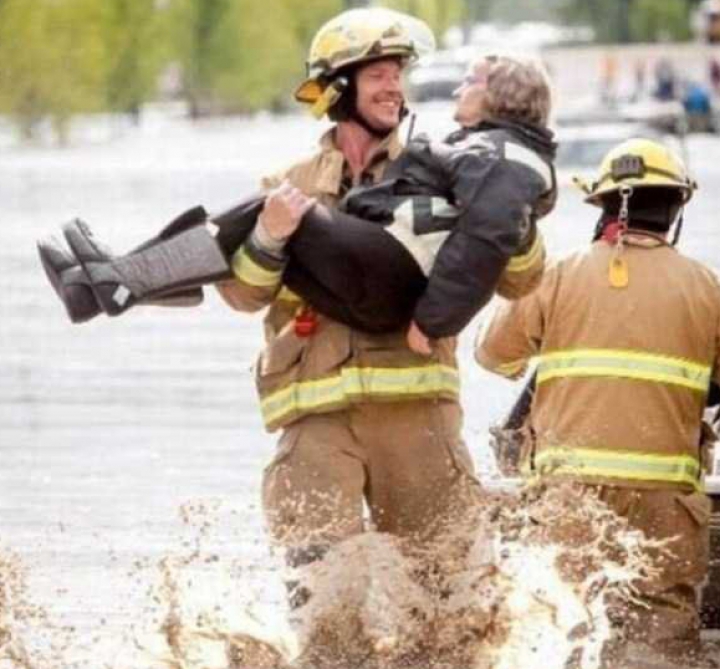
(68, 279)
(188, 259)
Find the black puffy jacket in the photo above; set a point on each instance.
(431, 241)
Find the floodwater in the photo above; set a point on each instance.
(127, 441)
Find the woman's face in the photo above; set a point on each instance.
(470, 96)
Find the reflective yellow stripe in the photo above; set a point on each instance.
(511, 368)
(286, 295)
(628, 465)
(247, 270)
(359, 381)
(527, 260)
(624, 364)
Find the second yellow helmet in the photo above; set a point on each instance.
(639, 163)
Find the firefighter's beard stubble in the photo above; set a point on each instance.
(515, 582)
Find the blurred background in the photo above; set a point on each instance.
(63, 58)
(131, 442)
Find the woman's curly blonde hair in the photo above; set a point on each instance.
(517, 89)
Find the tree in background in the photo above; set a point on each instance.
(194, 24)
(274, 67)
(257, 53)
(309, 16)
(54, 61)
(518, 11)
(631, 20)
(137, 50)
(438, 14)
(652, 21)
(605, 16)
(63, 57)
(244, 55)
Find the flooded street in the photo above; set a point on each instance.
(130, 440)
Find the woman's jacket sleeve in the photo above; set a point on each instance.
(496, 195)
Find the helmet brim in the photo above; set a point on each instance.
(649, 181)
(309, 91)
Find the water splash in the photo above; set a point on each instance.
(532, 586)
(518, 581)
(28, 639)
(564, 560)
(195, 632)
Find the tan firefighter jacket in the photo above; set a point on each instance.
(336, 365)
(622, 373)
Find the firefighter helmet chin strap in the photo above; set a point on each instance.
(678, 228)
(378, 133)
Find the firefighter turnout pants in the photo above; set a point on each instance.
(666, 617)
(405, 460)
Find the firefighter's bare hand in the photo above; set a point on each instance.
(417, 341)
(284, 208)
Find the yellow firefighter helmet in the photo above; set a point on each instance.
(357, 36)
(639, 163)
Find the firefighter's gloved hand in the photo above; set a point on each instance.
(417, 341)
(284, 208)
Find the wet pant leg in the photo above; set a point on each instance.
(669, 622)
(313, 488)
(313, 497)
(419, 468)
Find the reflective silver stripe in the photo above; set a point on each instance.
(624, 364)
(521, 154)
(441, 208)
(423, 248)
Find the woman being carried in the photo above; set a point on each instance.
(451, 223)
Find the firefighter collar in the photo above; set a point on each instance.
(631, 236)
(332, 164)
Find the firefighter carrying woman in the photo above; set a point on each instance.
(371, 258)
